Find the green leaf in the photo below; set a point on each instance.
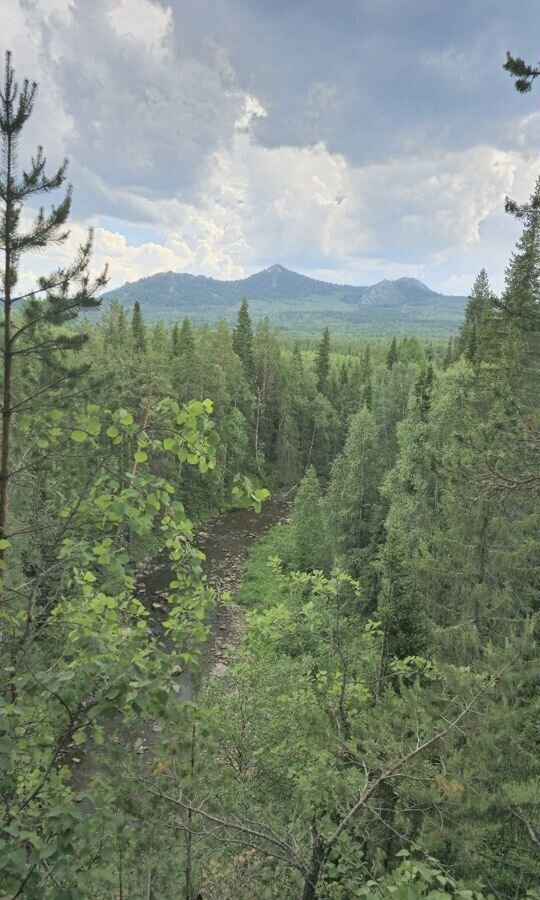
(79, 436)
(93, 426)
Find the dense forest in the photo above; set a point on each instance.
(377, 731)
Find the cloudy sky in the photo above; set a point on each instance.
(349, 139)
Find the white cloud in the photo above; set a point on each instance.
(262, 205)
(460, 285)
(162, 131)
(142, 21)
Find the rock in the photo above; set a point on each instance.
(219, 670)
(176, 670)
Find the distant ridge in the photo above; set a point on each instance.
(296, 302)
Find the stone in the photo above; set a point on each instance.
(219, 670)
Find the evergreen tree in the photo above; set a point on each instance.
(186, 342)
(309, 544)
(343, 378)
(478, 314)
(114, 322)
(268, 381)
(175, 340)
(35, 333)
(423, 391)
(298, 363)
(322, 362)
(449, 354)
(520, 302)
(366, 369)
(353, 494)
(137, 328)
(524, 74)
(392, 356)
(243, 341)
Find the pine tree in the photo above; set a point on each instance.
(322, 362)
(243, 341)
(137, 328)
(524, 74)
(36, 331)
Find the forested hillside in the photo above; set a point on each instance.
(372, 728)
(297, 303)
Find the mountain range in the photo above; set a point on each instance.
(295, 302)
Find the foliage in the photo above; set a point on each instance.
(373, 730)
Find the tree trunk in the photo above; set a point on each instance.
(8, 356)
(190, 891)
(318, 856)
(482, 565)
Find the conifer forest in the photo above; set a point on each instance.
(270, 600)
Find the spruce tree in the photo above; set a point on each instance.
(186, 367)
(478, 314)
(520, 302)
(298, 363)
(322, 362)
(186, 338)
(309, 544)
(366, 375)
(33, 320)
(137, 328)
(353, 494)
(243, 341)
(449, 354)
(392, 355)
(175, 340)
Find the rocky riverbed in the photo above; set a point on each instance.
(225, 541)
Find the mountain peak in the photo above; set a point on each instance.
(296, 301)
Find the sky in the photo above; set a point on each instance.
(351, 140)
